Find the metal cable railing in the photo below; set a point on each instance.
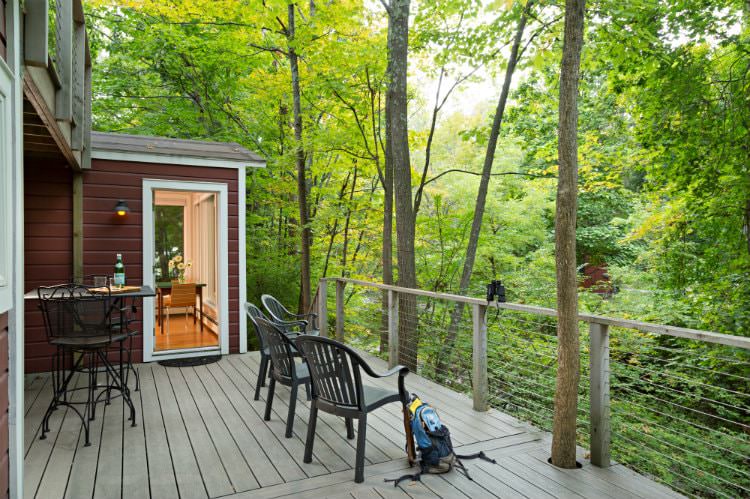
(674, 402)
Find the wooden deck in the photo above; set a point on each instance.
(200, 434)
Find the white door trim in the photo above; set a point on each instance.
(149, 312)
(241, 207)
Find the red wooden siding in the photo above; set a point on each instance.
(105, 234)
(3, 31)
(4, 436)
(48, 229)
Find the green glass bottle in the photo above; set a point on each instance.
(119, 272)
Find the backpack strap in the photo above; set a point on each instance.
(416, 477)
(479, 455)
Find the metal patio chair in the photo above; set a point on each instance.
(337, 388)
(289, 322)
(284, 369)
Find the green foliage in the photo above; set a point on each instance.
(664, 184)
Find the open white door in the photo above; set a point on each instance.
(185, 223)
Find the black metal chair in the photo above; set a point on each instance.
(124, 318)
(254, 313)
(284, 369)
(79, 324)
(337, 388)
(289, 322)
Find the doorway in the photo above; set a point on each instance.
(186, 260)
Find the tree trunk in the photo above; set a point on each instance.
(568, 361)
(299, 157)
(445, 359)
(398, 144)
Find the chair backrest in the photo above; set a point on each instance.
(276, 310)
(254, 313)
(74, 311)
(183, 295)
(335, 371)
(280, 347)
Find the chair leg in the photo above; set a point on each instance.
(308, 392)
(313, 420)
(290, 415)
(359, 466)
(269, 399)
(349, 428)
(261, 377)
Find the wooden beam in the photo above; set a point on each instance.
(31, 92)
(78, 226)
(78, 86)
(479, 379)
(678, 332)
(64, 60)
(36, 30)
(340, 285)
(599, 395)
(393, 359)
(323, 308)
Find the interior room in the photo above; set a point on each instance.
(185, 270)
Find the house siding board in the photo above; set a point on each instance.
(4, 394)
(48, 246)
(105, 234)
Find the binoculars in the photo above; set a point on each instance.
(496, 291)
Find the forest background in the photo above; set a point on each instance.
(664, 148)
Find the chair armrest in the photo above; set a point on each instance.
(401, 370)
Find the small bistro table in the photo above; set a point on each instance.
(143, 292)
(162, 289)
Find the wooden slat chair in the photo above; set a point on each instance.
(289, 322)
(182, 295)
(284, 369)
(337, 388)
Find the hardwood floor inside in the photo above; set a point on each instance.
(182, 333)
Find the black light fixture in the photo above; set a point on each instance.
(121, 208)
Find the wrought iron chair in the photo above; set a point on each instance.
(289, 322)
(337, 388)
(284, 369)
(78, 323)
(123, 317)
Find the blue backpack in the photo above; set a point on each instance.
(433, 442)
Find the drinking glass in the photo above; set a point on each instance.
(100, 281)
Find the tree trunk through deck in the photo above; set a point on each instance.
(299, 157)
(568, 358)
(398, 148)
(476, 226)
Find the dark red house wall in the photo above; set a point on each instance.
(48, 243)
(105, 234)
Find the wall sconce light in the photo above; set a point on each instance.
(121, 208)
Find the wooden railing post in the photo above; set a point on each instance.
(392, 328)
(340, 310)
(599, 394)
(323, 307)
(479, 357)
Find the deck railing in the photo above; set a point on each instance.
(670, 402)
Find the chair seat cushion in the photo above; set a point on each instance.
(376, 396)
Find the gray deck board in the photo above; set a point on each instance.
(200, 434)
